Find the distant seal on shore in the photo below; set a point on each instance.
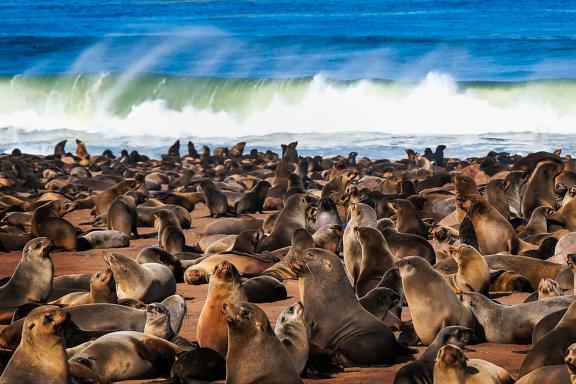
(214, 199)
(361, 215)
(330, 304)
(147, 282)
(32, 279)
(252, 339)
(106, 198)
(253, 200)
(225, 286)
(170, 235)
(291, 218)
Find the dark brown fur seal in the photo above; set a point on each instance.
(214, 199)
(291, 218)
(253, 200)
(48, 222)
(106, 198)
(405, 244)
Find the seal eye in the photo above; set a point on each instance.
(48, 318)
(244, 313)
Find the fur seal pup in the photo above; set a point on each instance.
(123, 215)
(407, 220)
(329, 237)
(147, 282)
(376, 259)
(32, 279)
(379, 302)
(160, 256)
(106, 198)
(291, 218)
(158, 323)
(251, 338)
(264, 289)
(510, 324)
(47, 222)
(339, 323)
(473, 271)
(405, 244)
(361, 215)
(291, 331)
(327, 213)
(225, 286)
(253, 200)
(41, 356)
(128, 355)
(102, 290)
(103, 240)
(540, 188)
(339, 182)
(549, 350)
(301, 240)
(421, 370)
(215, 200)
(170, 235)
(202, 364)
(452, 367)
(433, 305)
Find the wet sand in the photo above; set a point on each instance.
(507, 356)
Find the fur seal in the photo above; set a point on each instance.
(147, 282)
(47, 222)
(102, 290)
(123, 215)
(232, 226)
(253, 200)
(566, 215)
(432, 303)
(339, 323)
(558, 374)
(327, 213)
(301, 240)
(540, 188)
(128, 355)
(379, 302)
(510, 324)
(106, 198)
(376, 259)
(202, 364)
(329, 237)
(146, 216)
(339, 182)
(495, 194)
(160, 256)
(32, 279)
(407, 220)
(291, 218)
(41, 356)
(549, 350)
(103, 239)
(158, 323)
(361, 215)
(264, 289)
(291, 331)
(421, 370)
(215, 200)
(225, 286)
(451, 367)
(405, 244)
(170, 235)
(473, 271)
(251, 338)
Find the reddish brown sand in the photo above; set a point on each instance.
(505, 355)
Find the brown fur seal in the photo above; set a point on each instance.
(376, 259)
(291, 218)
(160, 256)
(32, 279)
(361, 215)
(289, 152)
(510, 324)
(339, 182)
(558, 374)
(405, 244)
(473, 271)
(329, 237)
(225, 287)
(379, 302)
(549, 350)
(123, 216)
(214, 199)
(102, 290)
(48, 222)
(103, 239)
(432, 303)
(495, 234)
(340, 323)
(106, 198)
(146, 216)
(495, 194)
(202, 364)
(253, 200)
(291, 331)
(421, 370)
(158, 323)
(407, 220)
(264, 289)
(41, 356)
(147, 282)
(170, 235)
(540, 188)
(128, 355)
(566, 215)
(301, 240)
(452, 367)
(252, 339)
(232, 226)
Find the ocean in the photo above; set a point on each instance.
(375, 77)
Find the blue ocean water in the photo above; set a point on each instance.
(372, 76)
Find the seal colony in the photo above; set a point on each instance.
(130, 268)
